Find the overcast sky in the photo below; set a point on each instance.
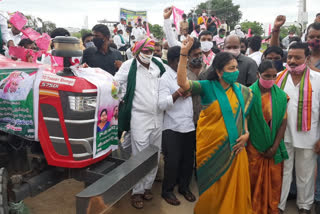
(71, 13)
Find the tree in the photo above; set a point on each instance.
(223, 9)
(284, 31)
(156, 30)
(48, 26)
(39, 25)
(256, 27)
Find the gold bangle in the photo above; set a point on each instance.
(184, 55)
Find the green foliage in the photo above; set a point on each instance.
(256, 27)
(284, 31)
(48, 27)
(38, 24)
(76, 34)
(223, 9)
(84, 31)
(80, 33)
(156, 30)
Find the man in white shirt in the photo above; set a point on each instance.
(254, 49)
(302, 137)
(139, 32)
(15, 35)
(122, 25)
(120, 41)
(179, 136)
(237, 31)
(5, 38)
(184, 35)
(143, 118)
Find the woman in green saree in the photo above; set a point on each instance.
(223, 174)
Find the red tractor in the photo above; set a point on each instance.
(64, 148)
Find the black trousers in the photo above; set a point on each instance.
(178, 151)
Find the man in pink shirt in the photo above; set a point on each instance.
(219, 39)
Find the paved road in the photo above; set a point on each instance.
(60, 200)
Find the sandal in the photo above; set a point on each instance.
(148, 196)
(188, 195)
(137, 201)
(170, 198)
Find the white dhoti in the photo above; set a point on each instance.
(305, 161)
(141, 139)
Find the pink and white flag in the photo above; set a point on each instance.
(31, 34)
(18, 20)
(177, 17)
(43, 42)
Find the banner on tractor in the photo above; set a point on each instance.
(106, 116)
(17, 113)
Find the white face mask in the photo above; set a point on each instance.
(206, 46)
(146, 59)
(234, 52)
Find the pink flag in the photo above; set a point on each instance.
(249, 32)
(177, 17)
(148, 30)
(43, 42)
(18, 20)
(31, 34)
(24, 54)
(17, 52)
(269, 32)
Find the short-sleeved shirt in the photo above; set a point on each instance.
(95, 58)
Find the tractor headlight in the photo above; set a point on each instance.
(79, 103)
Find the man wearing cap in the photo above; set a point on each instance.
(139, 112)
(237, 31)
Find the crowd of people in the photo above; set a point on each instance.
(246, 120)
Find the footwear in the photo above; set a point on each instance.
(170, 198)
(137, 201)
(304, 211)
(317, 207)
(148, 196)
(188, 195)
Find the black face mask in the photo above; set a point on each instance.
(196, 62)
(157, 55)
(278, 64)
(243, 51)
(98, 42)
